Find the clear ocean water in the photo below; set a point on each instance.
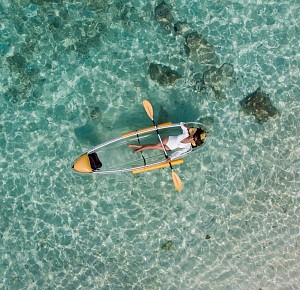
(74, 74)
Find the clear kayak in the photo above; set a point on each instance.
(114, 156)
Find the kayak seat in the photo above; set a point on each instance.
(94, 160)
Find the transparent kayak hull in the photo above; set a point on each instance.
(114, 156)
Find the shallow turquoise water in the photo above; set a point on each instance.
(73, 75)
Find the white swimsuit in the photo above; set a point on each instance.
(174, 142)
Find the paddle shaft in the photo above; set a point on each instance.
(162, 144)
(149, 110)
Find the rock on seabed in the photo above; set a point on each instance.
(259, 105)
(199, 50)
(163, 13)
(217, 79)
(163, 74)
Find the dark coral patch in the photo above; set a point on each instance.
(163, 13)
(259, 105)
(199, 50)
(163, 74)
(167, 246)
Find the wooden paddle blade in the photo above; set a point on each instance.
(177, 181)
(148, 108)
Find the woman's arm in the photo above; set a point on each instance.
(184, 127)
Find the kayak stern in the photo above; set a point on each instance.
(82, 164)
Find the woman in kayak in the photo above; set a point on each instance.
(190, 137)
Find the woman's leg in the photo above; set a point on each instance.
(134, 146)
(156, 146)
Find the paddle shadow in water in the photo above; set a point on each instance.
(88, 134)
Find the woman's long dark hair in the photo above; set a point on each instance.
(197, 137)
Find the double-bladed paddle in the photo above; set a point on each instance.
(149, 110)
